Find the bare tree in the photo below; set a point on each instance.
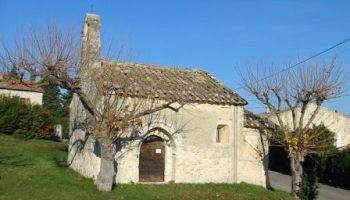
(302, 91)
(111, 100)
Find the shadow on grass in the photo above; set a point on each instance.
(62, 148)
(60, 157)
(60, 162)
(15, 160)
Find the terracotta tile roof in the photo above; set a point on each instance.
(169, 83)
(22, 86)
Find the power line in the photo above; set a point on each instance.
(301, 62)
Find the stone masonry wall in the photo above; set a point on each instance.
(192, 153)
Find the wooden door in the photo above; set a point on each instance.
(151, 163)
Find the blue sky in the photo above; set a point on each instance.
(216, 36)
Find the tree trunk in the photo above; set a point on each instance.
(105, 177)
(266, 169)
(265, 150)
(297, 171)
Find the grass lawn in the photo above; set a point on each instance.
(36, 169)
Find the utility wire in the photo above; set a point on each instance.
(301, 62)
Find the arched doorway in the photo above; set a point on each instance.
(152, 160)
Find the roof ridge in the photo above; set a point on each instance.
(24, 85)
(267, 114)
(170, 67)
(221, 83)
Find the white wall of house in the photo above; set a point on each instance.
(334, 121)
(253, 157)
(35, 97)
(192, 154)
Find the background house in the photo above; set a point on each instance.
(30, 92)
(333, 120)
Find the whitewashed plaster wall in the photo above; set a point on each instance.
(334, 121)
(35, 97)
(253, 157)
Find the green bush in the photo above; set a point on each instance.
(23, 120)
(332, 165)
(332, 168)
(11, 111)
(41, 118)
(335, 168)
(308, 188)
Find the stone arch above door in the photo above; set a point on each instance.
(167, 131)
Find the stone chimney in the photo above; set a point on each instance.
(90, 51)
(91, 42)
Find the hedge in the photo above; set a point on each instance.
(332, 169)
(21, 119)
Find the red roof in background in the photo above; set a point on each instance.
(23, 86)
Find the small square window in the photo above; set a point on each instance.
(222, 134)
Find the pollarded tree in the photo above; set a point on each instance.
(303, 92)
(106, 96)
